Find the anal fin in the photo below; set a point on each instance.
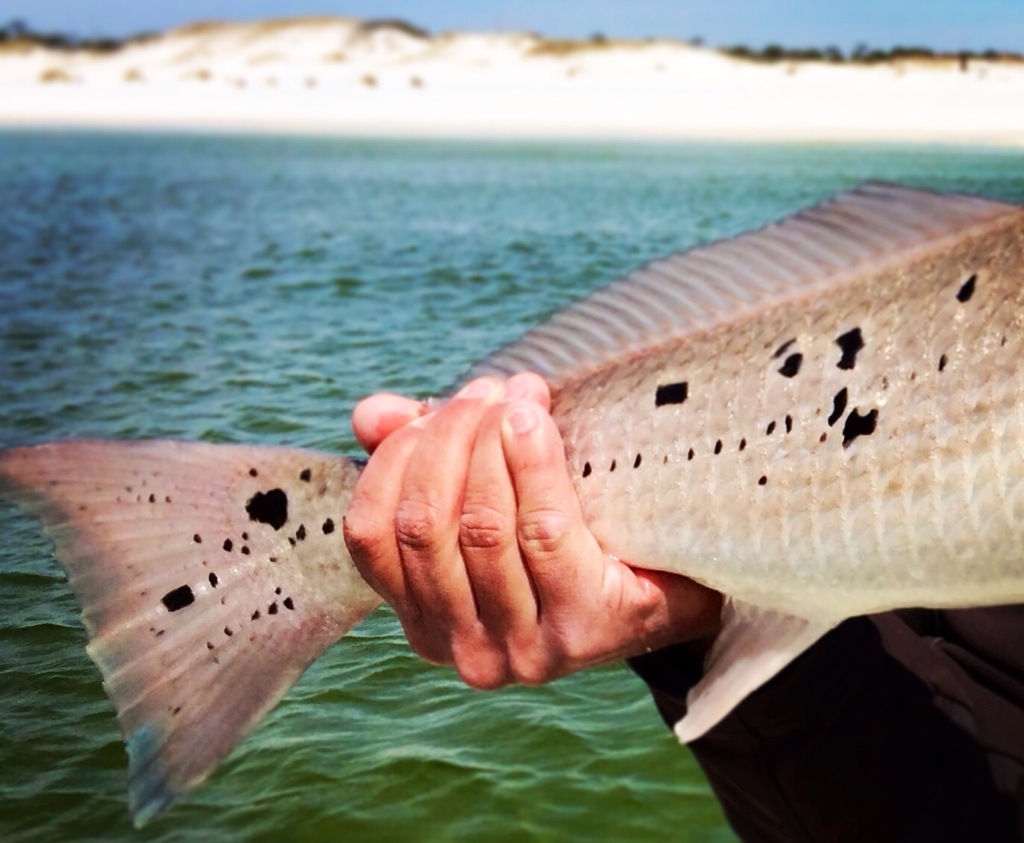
(754, 645)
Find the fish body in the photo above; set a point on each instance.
(848, 440)
(820, 419)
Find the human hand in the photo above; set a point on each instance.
(466, 521)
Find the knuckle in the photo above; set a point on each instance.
(483, 527)
(543, 532)
(365, 532)
(531, 662)
(418, 524)
(427, 647)
(528, 669)
(575, 646)
(480, 665)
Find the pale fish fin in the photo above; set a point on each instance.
(829, 244)
(209, 577)
(753, 646)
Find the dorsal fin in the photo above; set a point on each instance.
(672, 296)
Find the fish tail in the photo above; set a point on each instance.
(209, 577)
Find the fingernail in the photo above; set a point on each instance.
(480, 388)
(522, 418)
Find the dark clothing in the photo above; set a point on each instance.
(908, 726)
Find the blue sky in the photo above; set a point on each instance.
(940, 24)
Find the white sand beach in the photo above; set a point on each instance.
(342, 76)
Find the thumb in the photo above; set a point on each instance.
(675, 609)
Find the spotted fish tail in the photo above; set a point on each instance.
(209, 577)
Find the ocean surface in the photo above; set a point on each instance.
(251, 290)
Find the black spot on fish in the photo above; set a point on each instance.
(587, 469)
(245, 537)
(305, 475)
(328, 527)
(178, 598)
(255, 616)
(763, 481)
(273, 558)
(743, 444)
(823, 437)
(277, 590)
(851, 342)
(270, 507)
(272, 609)
(288, 604)
(770, 429)
(209, 645)
(671, 393)
(300, 534)
(783, 348)
(942, 362)
(791, 367)
(167, 499)
(858, 425)
(253, 472)
(228, 544)
(789, 424)
(177, 710)
(838, 406)
(613, 465)
(152, 498)
(967, 289)
(197, 538)
(690, 454)
(213, 579)
(228, 631)
(718, 446)
(636, 462)
(245, 550)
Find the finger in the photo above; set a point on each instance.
(550, 524)
(378, 416)
(430, 503)
(647, 610)
(505, 600)
(369, 523)
(675, 609)
(526, 386)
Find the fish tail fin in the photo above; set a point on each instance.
(209, 578)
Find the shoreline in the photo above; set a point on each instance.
(334, 77)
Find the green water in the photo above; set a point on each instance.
(251, 290)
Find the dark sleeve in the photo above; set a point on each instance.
(846, 744)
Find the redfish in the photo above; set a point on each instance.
(820, 419)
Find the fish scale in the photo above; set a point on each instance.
(819, 419)
(837, 522)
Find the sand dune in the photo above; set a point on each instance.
(343, 76)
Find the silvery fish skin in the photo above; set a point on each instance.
(820, 419)
(844, 432)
